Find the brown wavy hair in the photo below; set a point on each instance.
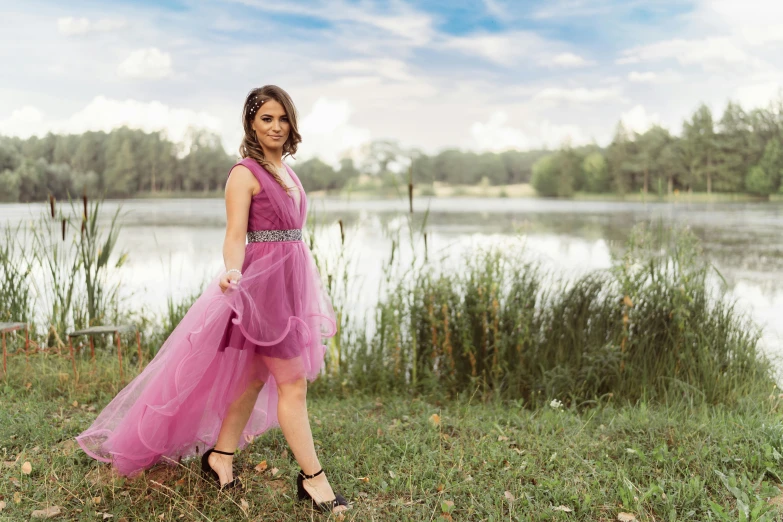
(250, 147)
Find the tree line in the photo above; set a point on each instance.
(740, 153)
(127, 162)
(120, 163)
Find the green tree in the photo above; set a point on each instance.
(596, 173)
(648, 152)
(545, 176)
(699, 145)
(618, 155)
(759, 182)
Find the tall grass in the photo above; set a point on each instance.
(59, 273)
(655, 326)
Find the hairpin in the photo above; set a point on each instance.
(256, 105)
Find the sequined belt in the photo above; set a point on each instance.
(257, 236)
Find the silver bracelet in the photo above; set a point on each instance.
(234, 270)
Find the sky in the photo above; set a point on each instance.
(482, 75)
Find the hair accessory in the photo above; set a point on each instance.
(255, 106)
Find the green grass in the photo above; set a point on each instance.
(405, 458)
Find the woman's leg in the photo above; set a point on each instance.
(293, 419)
(231, 429)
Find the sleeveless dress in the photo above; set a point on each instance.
(270, 326)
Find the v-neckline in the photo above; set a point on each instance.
(297, 204)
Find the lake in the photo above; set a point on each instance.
(176, 244)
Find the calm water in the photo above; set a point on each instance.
(175, 245)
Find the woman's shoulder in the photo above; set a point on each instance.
(244, 177)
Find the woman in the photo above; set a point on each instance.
(239, 361)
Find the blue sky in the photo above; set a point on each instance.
(478, 75)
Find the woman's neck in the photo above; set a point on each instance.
(274, 156)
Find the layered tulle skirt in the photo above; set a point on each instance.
(270, 327)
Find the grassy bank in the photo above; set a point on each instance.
(419, 458)
(498, 391)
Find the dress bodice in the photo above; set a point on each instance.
(273, 208)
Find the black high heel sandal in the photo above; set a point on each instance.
(210, 473)
(328, 505)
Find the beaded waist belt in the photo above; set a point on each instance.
(257, 236)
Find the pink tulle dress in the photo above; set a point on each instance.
(270, 326)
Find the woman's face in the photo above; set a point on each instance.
(271, 125)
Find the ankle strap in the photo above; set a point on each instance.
(301, 472)
(222, 452)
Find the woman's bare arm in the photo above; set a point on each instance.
(239, 192)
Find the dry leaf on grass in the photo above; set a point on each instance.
(107, 515)
(564, 508)
(502, 438)
(2, 505)
(96, 500)
(261, 466)
(440, 488)
(626, 517)
(245, 506)
(435, 419)
(51, 511)
(17, 497)
(27, 468)
(509, 497)
(274, 471)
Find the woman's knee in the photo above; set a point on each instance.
(294, 390)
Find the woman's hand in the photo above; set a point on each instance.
(228, 280)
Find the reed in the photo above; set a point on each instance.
(655, 326)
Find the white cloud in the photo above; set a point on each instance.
(327, 132)
(104, 114)
(70, 26)
(149, 63)
(668, 76)
(496, 135)
(514, 47)
(558, 95)
(389, 68)
(759, 94)
(711, 54)
(638, 120)
(502, 49)
(570, 60)
(756, 22)
(24, 122)
(402, 21)
(495, 9)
